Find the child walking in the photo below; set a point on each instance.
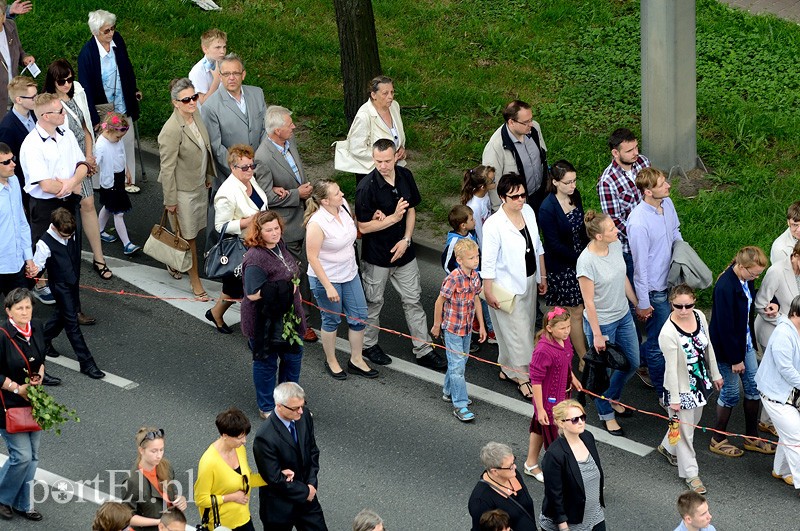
(453, 314)
(60, 253)
(475, 194)
(114, 176)
(551, 373)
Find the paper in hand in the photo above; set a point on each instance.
(33, 69)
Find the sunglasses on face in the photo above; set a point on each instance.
(9, 161)
(516, 196)
(247, 167)
(108, 30)
(187, 99)
(576, 420)
(62, 82)
(683, 306)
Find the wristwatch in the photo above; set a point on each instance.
(16, 390)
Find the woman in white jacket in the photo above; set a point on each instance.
(237, 201)
(513, 261)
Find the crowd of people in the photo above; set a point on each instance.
(230, 166)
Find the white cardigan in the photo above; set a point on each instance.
(232, 203)
(779, 282)
(503, 250)
(354, 154)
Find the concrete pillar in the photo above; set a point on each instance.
(669, 84)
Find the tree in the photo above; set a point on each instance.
(358, 45)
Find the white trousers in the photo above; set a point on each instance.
(684, 449)
(787, 422)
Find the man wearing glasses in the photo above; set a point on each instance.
(287, 457)
(234, 115)
(518, 147)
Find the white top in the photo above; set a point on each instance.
(44, 157)
(43, 251)
(4, 51)
(201, 77)
(782, 247)
(336, 256)
(232, 203)
(503, 250)
(110, 160)
(355, 153)
(481, 210)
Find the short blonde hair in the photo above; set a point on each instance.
(647, 179)
(464, 246)
(43, 100)
(19, 85)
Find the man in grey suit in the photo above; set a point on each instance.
(234, 115)
(280, 174)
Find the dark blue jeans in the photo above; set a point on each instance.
(264, 373)
(651, 352)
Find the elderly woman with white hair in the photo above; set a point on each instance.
(187, 171)
(501, 487)
(106, 74)
(367, 520)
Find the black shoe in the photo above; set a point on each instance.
(376, 355)
(353, 369)
(50, 352)
(51, 380)
(432, 360)
(33, 514)
(85, 320)
(618, 432)
(341, 375)
(224, 329)
(5, 512)
(93, 372)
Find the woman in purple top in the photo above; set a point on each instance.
(551, 373)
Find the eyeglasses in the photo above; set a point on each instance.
(575, 420)
(9, 161)
(187, 99)
(153, 435)
(246, 167)
(512, 466)
(567, 183)
(60, 111)
(108, 30)
(293, 409)
(62, 82)
(525, 123)
(683, 306)
(516, 196)
(230, 74)
(754, 275)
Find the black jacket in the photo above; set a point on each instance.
(535, 197)
(559, 254)
(564, 495)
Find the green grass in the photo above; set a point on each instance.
(457, 63)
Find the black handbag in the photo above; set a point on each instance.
(615, 358)
(225, 258)
(214, 520)
(595, 373)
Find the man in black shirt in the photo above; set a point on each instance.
(385, 210)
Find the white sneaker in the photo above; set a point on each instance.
(44, 295)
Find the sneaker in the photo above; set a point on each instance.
(491, 338)
(132, 189)
(44, 295)
(644, 376)
(447, 398)
(464, 414)
(671, 459)
(376, 355)
(130, 249)
(108, 238)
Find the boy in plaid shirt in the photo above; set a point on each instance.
(455, 307)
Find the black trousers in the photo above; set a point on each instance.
(10, 281)
(65, 317)
(42, 209)
(309, 517)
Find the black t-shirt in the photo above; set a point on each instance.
(373, 194)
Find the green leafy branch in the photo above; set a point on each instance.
(291, 321)
(46, 411)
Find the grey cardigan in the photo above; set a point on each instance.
(688, 267)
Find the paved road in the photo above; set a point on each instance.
(390, 444)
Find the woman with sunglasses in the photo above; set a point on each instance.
(573, 476)
(689, 371)
(731, 309)
(187, 171)
(513, 259)
(60, 80)
(224, 474)
(236, 204)
(150, 490)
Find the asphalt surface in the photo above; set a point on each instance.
(390, 444)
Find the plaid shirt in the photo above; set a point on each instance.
(618, 194)
(459, 292)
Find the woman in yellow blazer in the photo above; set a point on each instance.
(187, 171)
(224, 473)
(236, 203)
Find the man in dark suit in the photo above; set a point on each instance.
(9, 65)
(287, 457)
(280, 174)
(20, 121)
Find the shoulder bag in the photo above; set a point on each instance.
(213, 520)
(225, 258)
(19, 419)
(168, 248)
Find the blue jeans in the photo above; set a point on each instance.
(455, 385)
(264, 376)
(650, 350)
(729, 395)
(487, 319)
(352, 303)
(623, 334)
(18, 472)
(628, 257)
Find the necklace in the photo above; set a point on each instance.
(527, 236)
(279, 256)
(509, 490)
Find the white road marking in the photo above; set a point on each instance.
(112, 379)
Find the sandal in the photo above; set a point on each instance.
(788, 478)
(201, 297)
(102, 270)
(174, 273)
(502, 377)
(762, 447)
(725, 448)
(526, 390)
(696, 485)
(529, 471)
(767, 428)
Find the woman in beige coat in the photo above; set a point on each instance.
(187, 171)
